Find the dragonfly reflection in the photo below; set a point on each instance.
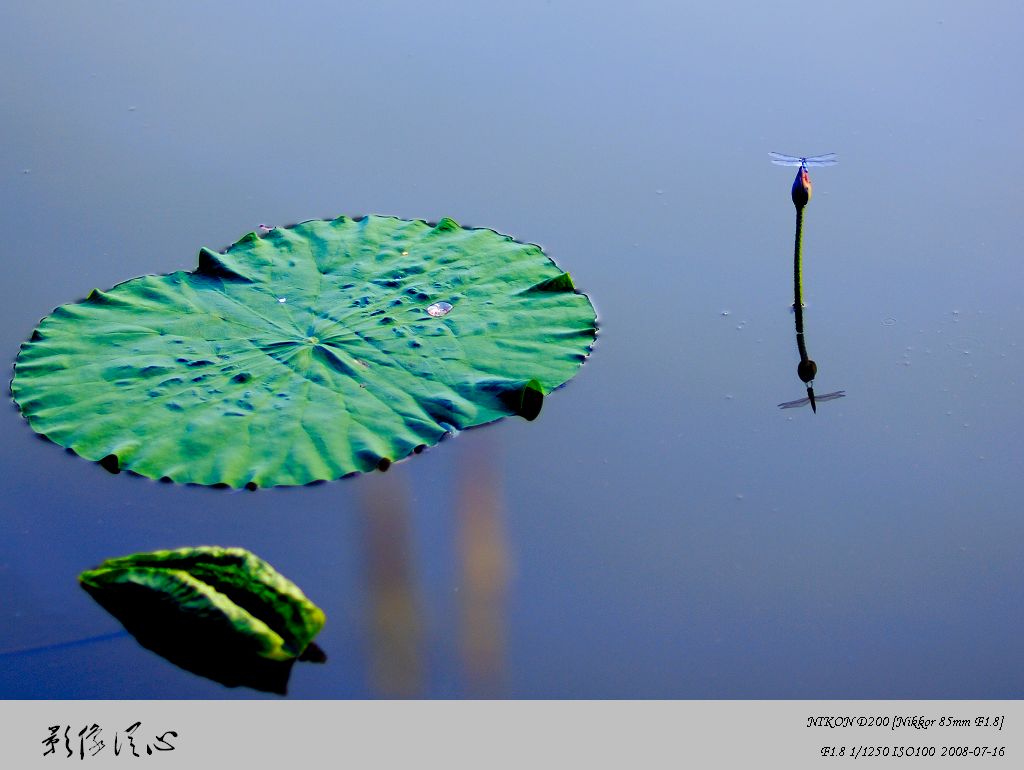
(781, 159)
(805, 401)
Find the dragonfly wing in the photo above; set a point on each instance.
(831, 396)
(781, 159)
(794, 404)
(828, 159)
(819, 399)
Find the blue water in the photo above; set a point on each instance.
(663, 529)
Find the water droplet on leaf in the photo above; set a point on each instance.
(439, 309)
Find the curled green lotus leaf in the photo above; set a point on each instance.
(224, 598)
(309, 353)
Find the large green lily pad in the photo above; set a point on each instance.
(310, 353)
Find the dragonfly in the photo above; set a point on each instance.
(808, 400)
(802, 183)
(781, 159)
